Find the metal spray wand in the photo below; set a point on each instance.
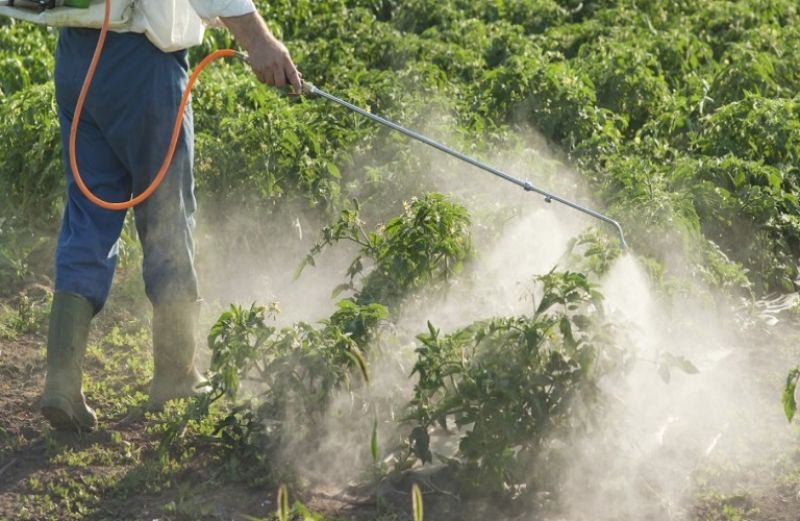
(312, 90)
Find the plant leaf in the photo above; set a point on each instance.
(416, 502)
(789, 402)
(356, 356)
(283, 503)
(373, 444)
(684, 365)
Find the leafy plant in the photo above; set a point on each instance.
(668, 361)
(592, 252)
(25, 57)
(26, 316)
(426, 245)
(506, 384)
(296, 371)
(32, 173)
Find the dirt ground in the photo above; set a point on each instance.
(117, 473)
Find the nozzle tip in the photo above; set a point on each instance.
(309, 89)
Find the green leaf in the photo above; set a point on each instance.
(373, 444)
(283, 503)
(668, 361)
(340, 288)
(789, 390)
(333, 170)
(307, 261)
(416, 502)
(360, 362)
(684, 365)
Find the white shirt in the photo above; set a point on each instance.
(179, 24)
(170, 24)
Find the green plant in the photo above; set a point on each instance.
(508, 383)
(426, 245)
(28, 315)
(32, 173)
(24, 57)
(627, 78)
(296, 370)
(592, 252)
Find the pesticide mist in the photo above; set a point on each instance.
(687, 401)
(668, 430)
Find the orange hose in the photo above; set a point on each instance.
(73, 134)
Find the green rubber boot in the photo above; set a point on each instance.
(174, 333)
(63, 402)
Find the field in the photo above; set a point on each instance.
(379, 316)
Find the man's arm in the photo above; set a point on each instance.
(268, 57)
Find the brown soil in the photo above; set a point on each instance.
(27, 446)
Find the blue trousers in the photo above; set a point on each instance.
(122, 138)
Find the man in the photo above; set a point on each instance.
(122, 138)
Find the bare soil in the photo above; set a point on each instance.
(39, 481)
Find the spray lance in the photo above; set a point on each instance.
(308, 89)
(311, 90)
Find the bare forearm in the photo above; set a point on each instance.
(269, 58)
(249, 30)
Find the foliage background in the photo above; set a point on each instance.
(681, 117)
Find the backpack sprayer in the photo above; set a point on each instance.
(41, 5)
(308, 89)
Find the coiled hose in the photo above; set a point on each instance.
(176, 130)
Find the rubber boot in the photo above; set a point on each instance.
(63, 402)
(174, 375)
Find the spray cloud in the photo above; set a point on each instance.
(643, 459)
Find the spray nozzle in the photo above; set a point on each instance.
(309, 89)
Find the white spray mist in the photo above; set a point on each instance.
(642, 460)
(645, 459)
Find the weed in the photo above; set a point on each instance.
(27, 316)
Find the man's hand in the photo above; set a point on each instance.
(268, 57)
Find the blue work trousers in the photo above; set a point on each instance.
(122, 139)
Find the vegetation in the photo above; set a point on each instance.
(516, 381)
(680, 119)
(683, 116)
(426, 245)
